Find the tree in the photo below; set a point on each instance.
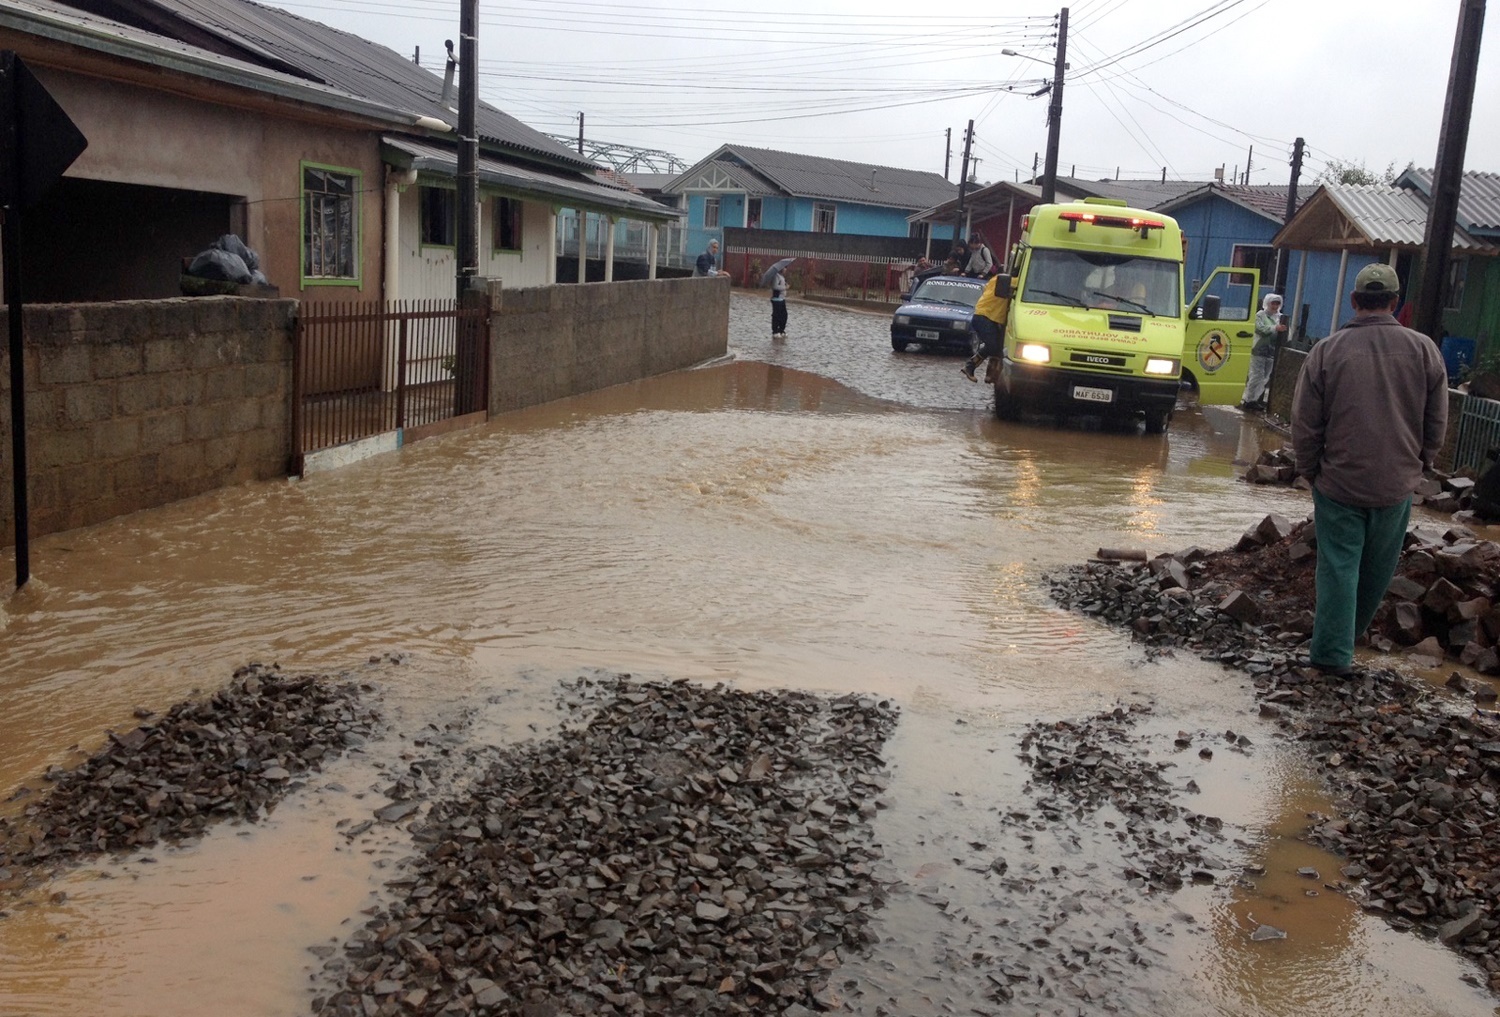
(1339, 171)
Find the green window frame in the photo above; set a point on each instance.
(331, 216)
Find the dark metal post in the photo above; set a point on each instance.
(580, 132)
(947, 151)
(10, 246)
(1054, 111)
(963, 186)
(468, 146)
(1448, 172)
(1283, 258)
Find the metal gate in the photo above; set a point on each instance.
(1478, 432)
(362, 369)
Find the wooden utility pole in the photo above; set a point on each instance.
(1448, 172)
(963, 185)
(1054, 111)
(580, 132)
(1282, 261)
(468, 146)
(947, 151)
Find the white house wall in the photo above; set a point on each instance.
(426, 272)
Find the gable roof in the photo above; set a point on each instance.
(1354, 216)
(279, 40)
(812, 176)
(1268, 200)
(1478, 197)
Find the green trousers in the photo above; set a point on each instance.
(1358, 550)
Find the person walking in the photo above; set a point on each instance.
(1269, 328)
(1369, 415)
(778, 305)
(989, 328)
(708, 261)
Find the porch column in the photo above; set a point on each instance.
(1338, 291)
(1297, 302)
(651, 236)
(552, 261)
(1010, 224)
(609, 248)
(583, 246)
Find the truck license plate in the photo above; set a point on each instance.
(1093, 395)
(927, 333)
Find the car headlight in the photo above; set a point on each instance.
(903, 319)
(1035, 353)
(1161, 365)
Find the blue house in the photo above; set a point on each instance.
(760, 188)
(1234, 224)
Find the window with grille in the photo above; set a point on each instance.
(823, 218)
(710, 213)
(330, 223)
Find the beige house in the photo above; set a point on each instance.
(332, 157)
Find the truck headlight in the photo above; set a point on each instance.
(1035, 353)
(1161, 365)
(903, 319)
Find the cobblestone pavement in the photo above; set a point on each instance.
(852, 347)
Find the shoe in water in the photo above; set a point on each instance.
(968, 372)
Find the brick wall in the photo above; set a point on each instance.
(550, 342)
(138, 403)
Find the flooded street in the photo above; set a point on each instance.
(819, 514)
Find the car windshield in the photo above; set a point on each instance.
(949, 290)
(1113, 282)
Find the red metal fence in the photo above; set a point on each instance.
(362, 369)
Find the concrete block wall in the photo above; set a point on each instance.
(138, 403)
(550, 342)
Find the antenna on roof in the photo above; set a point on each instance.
(448, 75)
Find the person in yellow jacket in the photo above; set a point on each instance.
(989, 327)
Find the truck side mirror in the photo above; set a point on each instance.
(1002, 285)
(1209, 307)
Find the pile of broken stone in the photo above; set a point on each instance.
(1442, 492)
(1416, 771)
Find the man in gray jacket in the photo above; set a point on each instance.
(1368, 417)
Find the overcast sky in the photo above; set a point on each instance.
(1189, 85)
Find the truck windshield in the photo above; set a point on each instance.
(1113, 282)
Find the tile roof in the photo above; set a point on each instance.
(1478, 197)
(1268, 200)
(812, 176)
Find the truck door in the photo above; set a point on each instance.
(1220, 331)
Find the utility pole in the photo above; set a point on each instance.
(468, 146)
(580, 132)
(1283, 261)
(947, 151)
(1249, 158)
(1448, 172)
(1054, 110)
(963, 185)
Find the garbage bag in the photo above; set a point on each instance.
(218, 264)
(234, 245)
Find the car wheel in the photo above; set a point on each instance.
(1156, 423)
(899, 345)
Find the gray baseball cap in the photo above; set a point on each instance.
(1377, 278)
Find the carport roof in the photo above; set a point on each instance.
(1478, 197)
(574, 192)
(1376, 216)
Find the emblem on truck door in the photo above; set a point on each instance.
(1213, 351)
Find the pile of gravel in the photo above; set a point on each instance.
(689, 850)
(233, 755)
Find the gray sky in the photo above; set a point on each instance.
(1186, 84)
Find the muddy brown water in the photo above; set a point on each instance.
(819, 514)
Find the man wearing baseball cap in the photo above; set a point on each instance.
(1368, 416)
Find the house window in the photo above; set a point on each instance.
(1458, 275)
(439, 219)
(1261, 256)
(330, 223)
(918, 230)
(752, 214)
(710, 213)
(507, 224)
(823, 218)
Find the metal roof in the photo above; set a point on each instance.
(1478, 197)
(1365, 215)
(572, 191)
(358, 66)
(1268, 200)
(811, 176)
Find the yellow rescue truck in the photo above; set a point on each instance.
(1098, 324)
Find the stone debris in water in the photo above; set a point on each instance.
(690, 850)
(230, 756)
(1415, 770)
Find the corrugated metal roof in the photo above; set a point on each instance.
(1478, 197)
(570, 190)
(811, 176)
(358, 66)
(1382, 215)
(1136, 193)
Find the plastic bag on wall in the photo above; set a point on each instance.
(229, 260)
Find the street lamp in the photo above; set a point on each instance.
(1028, 56)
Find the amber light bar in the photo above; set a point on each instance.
(1112, 220)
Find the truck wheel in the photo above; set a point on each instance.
(899, 345)
(1156, 423)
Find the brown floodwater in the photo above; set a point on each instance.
(746, 523)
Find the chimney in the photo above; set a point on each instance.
(872, 179)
